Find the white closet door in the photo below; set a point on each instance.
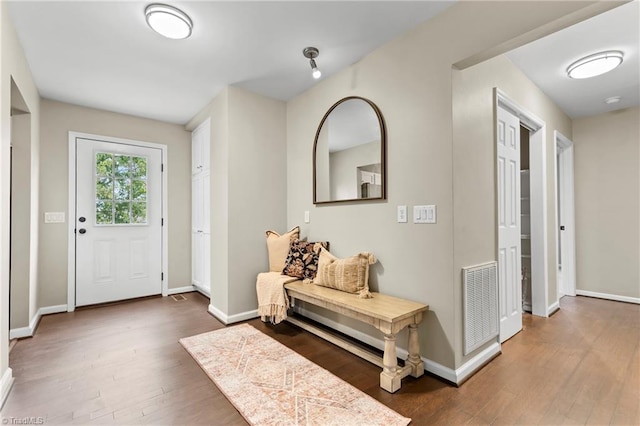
(509, 225)
(200, 216)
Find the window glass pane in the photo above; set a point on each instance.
(104, 164)
(122, 214)
(122, 165)
(122, 190)
(139, 168)
(139, 212)
(104, 212)
(104, 188)
(139, 190)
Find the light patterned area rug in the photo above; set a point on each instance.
(272, 385)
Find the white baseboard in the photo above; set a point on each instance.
(553, 308)
(178, 290)
(243, 316)
(221, 316)
(615, 297)
(202, 290)
(52, 309)
(5, 385)
(18, 333)
(454, 376)
(474, 364)
(231, 319)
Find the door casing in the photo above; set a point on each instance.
(71, 267)
(566, 212)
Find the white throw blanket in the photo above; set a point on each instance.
(272, 299)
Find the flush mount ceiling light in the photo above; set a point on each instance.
(312, 53)
(168, 21)
(593, 65)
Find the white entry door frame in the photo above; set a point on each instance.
(565, 211)
(538, 200)
(72, 220)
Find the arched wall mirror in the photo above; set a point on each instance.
(349, 161)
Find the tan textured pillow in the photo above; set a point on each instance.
(278, 247)
(350, 274)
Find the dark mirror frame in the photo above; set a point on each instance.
(383, 150)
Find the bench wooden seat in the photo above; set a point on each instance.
(386, 313)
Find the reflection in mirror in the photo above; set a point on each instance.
(349, 160)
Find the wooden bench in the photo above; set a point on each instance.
(386, 313)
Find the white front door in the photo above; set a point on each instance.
(118, 221)
(509, 244)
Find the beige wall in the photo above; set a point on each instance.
(58, 119)
(248, 181)
(20, 219)
(607, 188)
(219, 198)
(475, 234)
(410, 79)
(257, 189)
(13, 65)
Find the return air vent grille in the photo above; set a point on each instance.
(480, 293)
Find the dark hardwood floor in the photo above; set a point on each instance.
(122, 364)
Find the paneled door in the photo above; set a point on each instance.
(200, 208)
(118, 221)
(509, 225)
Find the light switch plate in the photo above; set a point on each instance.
(431, 214)
(424, 214)
(306, 216)
(54, 217)
(402, 214)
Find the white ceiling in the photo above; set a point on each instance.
(545, 62)
(103, 55)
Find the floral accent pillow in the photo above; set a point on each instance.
(302, 260)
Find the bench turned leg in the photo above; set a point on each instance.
(390, 380)
(414, 360)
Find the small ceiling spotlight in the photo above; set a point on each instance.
(312, 53)
(612, 100)
(168, 21)
(596, 64)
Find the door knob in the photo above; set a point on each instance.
(82, 231)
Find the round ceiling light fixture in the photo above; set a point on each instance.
(596, 64)
(168, 21)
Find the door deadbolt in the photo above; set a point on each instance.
(82, 219)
